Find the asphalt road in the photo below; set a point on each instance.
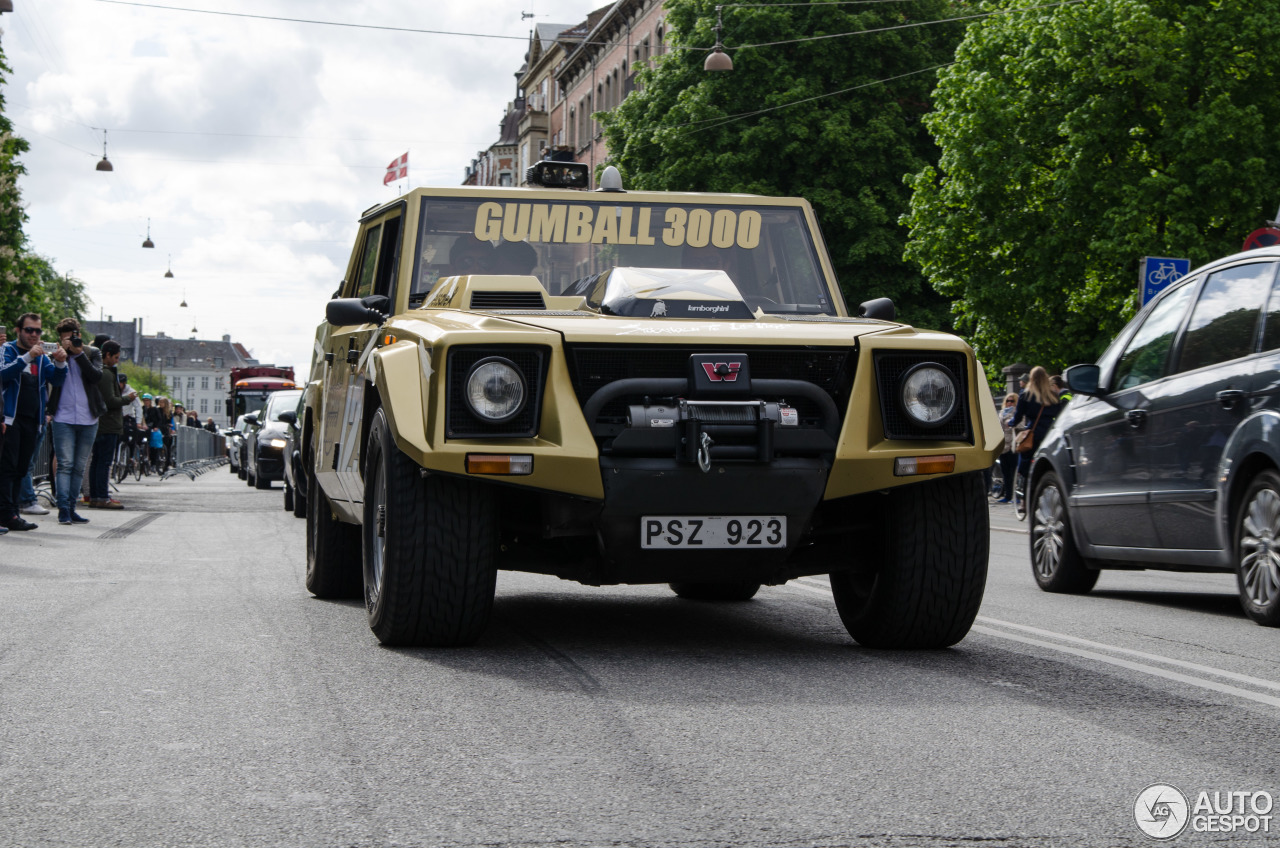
(166, 680)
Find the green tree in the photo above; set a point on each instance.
(1079, 139)
(846, 153)
(18, 292)
(28, 282)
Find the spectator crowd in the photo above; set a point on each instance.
(57, 387)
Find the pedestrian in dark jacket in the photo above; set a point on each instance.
(1037, 408)
(25, 374)
(110, 429)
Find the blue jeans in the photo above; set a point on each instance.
(72, 443)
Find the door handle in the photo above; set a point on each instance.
(1137, 418)
(1230, 397)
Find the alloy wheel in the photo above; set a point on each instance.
(1047, 529)
(1260, 547)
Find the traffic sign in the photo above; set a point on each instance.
(1157, 272)
(1262, 237)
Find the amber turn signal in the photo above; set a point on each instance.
(907, 466)
(490, 463)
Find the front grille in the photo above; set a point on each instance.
(507, 300)
(592, 367)
(463, 424)
(891, 366)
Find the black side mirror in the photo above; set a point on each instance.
(251, 418)
(1083, 379)
(380, 302)
(289, 416)
(350, 311)
(881, 309)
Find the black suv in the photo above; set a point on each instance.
(1167, 455)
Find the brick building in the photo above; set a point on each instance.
(570, 73)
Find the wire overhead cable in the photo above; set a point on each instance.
(600, 43)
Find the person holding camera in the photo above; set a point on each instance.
(76, 406)
(25, 372)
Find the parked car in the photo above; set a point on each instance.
(295, 487)
(264, 442)
(235, 446)
(1167, 455)
(634, 387)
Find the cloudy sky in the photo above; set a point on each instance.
(251, 145)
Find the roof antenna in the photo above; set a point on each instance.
(524, 16)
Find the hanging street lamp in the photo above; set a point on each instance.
(105, 164)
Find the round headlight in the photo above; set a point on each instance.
(495, 389)
(929, 394)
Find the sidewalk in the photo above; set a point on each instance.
(216, 491)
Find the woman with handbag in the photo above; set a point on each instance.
(1037, 407)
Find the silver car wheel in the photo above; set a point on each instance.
(1047, 529)
(377, 549)
(1260, 547)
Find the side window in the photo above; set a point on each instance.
(1224, 322)
(1271, 331)
(368, 262)
(388, 257)
(1144, 358)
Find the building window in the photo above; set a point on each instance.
(204, 383)
(171, 361)
(204, 405)
(217, 362)
(191, 382)
(177, 383)
(217, 383)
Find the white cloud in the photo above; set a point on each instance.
(263, 143)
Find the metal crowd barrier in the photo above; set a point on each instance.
(44, 458)
(195, 451)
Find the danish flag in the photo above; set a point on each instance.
(726, 372)
(397, 170)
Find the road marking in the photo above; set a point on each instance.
(817, 587)
(1203, 669)
(1200, 682)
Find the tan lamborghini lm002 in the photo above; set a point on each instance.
(633, 387)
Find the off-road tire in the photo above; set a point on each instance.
(1256, 536)
(430, 547)
(928, 567)
(333, 549)
(723, 591)
(1056, 562)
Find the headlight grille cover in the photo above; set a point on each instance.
(461, 423)
(891, 366)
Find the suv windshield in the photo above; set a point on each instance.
(765, 250)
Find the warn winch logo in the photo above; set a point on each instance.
(722, 372)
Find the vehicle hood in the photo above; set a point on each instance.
(584, 326)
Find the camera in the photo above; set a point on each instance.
(76, 341)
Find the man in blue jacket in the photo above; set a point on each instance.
(25, 374)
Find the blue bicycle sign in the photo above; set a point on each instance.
(1157, 272)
